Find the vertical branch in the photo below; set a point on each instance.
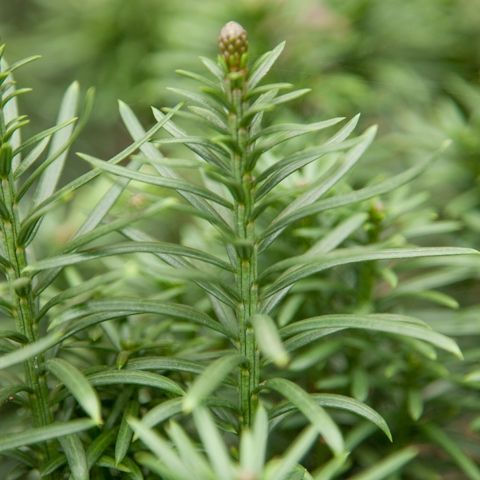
(23, 303)
(233, 48)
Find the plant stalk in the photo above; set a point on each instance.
(23, 303)
(246, 268)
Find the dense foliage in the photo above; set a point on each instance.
(237, 293)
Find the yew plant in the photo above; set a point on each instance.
(219, 389)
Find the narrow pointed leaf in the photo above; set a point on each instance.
(388, 466)
(164, 363)
(132, 377)
(269, 340)
(213, 443)
(312, 265)
(30, 350)
(125, 248)
(125, 307)
(388, 323)
(210, 379)
(76, 458)
(162, 412)
(327, 400)
(293, 455)
(162, 450)
(263, 65)
(42, 434)
(330, 470)
(52, 174)
(188, 452)
(307, 405)
(155, 180)
(260, 438)
(125, 433)
(78, 385)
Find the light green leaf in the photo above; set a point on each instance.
(269, 340)
(388, 466)
(199, 98)
(129, 307)
(210, 379)
(338, 234)
(118, 224)
(263, 65)
(296, 128)
(360, 384)
(473, 377)
(164, 363)
(170, 183)
(153, 464)
(388, 323)
(76, 458)
(306, 265)
(84, 290)
(289, 461)
(330, 470)
(125, 248)
(42, 434)
(40, 137)
(213, 443)
(24, 61)
(322, 422)
(197, 77)
(162, 412)
(260, 438)
(213, 118)
(188, 452)
(213, 68)
(30, 350)
(414, 403)
(161, 449)
(274, 135)
(31, 158)
(78, 385)
(101, 209)
(145, 379)
(302, 339)
(10, 112)
(51, 175)
(203, 152)
(341, 402)
(288, 97)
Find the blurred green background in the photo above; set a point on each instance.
(392, 60)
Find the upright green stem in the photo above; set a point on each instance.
(246, 268)
(23, 303)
